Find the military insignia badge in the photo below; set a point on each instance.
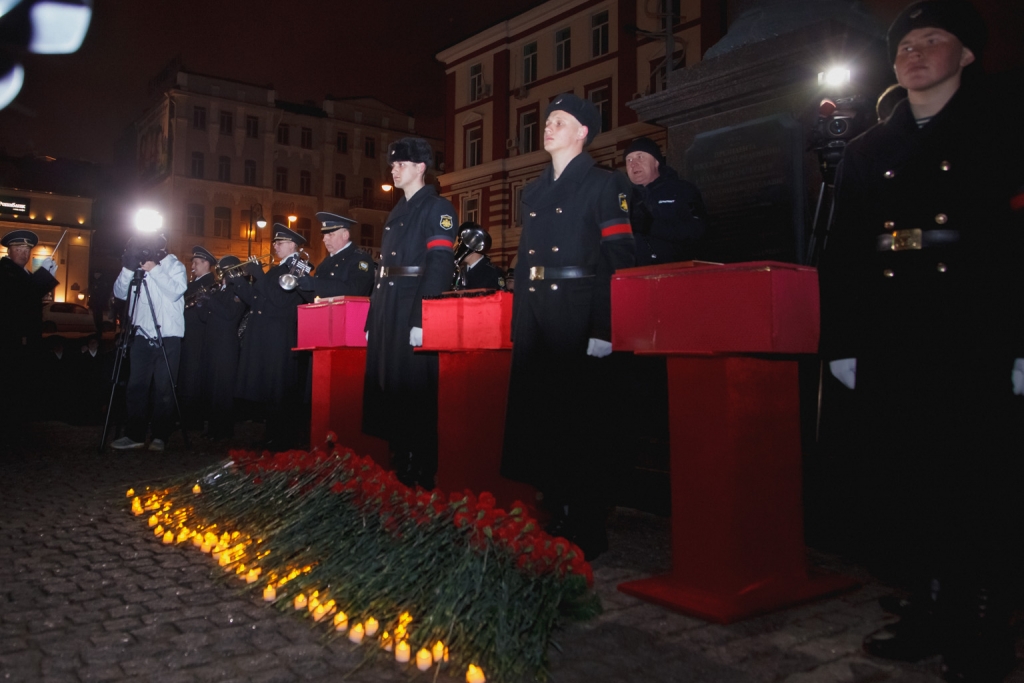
(364, 266)
(446, 222)
(623, 204)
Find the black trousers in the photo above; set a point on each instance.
(149, 377)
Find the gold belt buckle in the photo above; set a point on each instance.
(536, 272)
(903, 240)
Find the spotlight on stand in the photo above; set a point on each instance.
(148, 220)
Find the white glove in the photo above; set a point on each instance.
(598, 348)
(416, 336)
(845, 370)
(367, 335)
(1017, 377)
(49, 264)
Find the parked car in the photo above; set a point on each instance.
(68, 318)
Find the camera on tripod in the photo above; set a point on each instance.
(840, 119)
(143, 248)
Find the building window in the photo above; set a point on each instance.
(250, 172)
(339, 184)
(599, 34)
(304, 226)
(601, 95)
(368, 192)
(470, 209)
(197, 170)
(370, 147)
(517, 205)
(199, 118)
(563, 49)
(224, 169)
(341, 143)
(307, 138)
(439, 161)
(252, 127)
(281, 179)
(227, 123)
(476, 82)
(529, 129)
(282, 134)
(221, 221)
(366, 235)
(668, 14)
(475, 144)
(305, 182)
(529, 63)
(194, 225)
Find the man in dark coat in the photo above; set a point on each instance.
(269, 371)
(191, 383)
(347, 270)
(221, 312)
(21, 317)
(417, 260)
(666, 212)
(576, 234)
(921, 310)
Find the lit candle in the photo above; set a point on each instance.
(402, 652)
(169, 538)
(197, 540)
(196, 489)
(340, 621)
(371, 626)
(423, 659)
(319, 612)
(225, 557)
(269, 594)
(153, 521)
(438, 651)
(130, 494)
(474, 674)
(158, 531)
(300, 601)
(251, 576)
(206, 547)
(355, 634)
(386, 642)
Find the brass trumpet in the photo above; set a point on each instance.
(230, 271)
(300, 267)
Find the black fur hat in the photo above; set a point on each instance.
(582, 110)
(956, 16)
(416, 150)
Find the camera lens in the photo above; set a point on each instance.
(838, 127)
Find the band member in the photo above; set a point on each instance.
(576, 233)
(417, 260)
(269, 371)
(476, 270)
(191, 393)
(221, 313)
(347, 271)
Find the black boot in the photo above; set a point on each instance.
(978, 643)
(916, 635)
(401, 463)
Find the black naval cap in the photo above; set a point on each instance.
(228, 261)
(332, 221)
(643, 144)
(582, 110)
(199, 251)
(18, 238)
(283, 234)
(959, 17)
(416, 150)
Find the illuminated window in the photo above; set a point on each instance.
(221, 221)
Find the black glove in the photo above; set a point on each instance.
(306, 283)
(129, 259)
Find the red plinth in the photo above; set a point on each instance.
(338, 321)
(338, 401)
(471, 336)
(737, 517)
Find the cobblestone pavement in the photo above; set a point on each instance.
(87, 594)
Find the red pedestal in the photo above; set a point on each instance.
(471, 336)
(737, 518)
(338, 321)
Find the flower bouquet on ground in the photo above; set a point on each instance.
(435, 579)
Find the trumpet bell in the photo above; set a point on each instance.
(288, 282)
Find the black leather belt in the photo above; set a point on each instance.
(904, 240)
(395, 271)
(569, 273)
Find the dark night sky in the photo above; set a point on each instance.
(77, 106)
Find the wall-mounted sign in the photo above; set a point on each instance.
(16, 205)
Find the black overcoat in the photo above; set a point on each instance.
(557, 394)
(347, 273)
(222, 312)
(400, 389)
(668, 219)
(21, 304)
(190, 367)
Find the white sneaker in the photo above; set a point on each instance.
(125, 443)
(156, 445)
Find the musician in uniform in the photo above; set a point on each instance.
(190, 370)
(221, 313)
(417, 260)
(921, 312)
(21, 314)
(347, 270)
(476, 270)
(576, 234)
(269, 371)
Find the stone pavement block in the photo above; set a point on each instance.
(841, 671)
(274, 676)
(19, 673)
(12, 645)
(129, 610)
(159, 631)
(14, 615)
(257, 662)
(290, 654)
(109, 672)
(125, 624)
(310, 669)
(228, 648)
(104, 654)
(20, 659)
(60, 586)
(65, 664)
(84, 596)
(194, 625)
(173, 677)
(48, 623)
(183, 658)
(191, 641)
(115, 638)
(101, 604)
(270, 641)
(215, 672)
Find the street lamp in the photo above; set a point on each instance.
(388, 187)
(261, 222)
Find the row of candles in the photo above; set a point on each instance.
(221, 549)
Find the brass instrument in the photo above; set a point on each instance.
(237, 269)
(200, 295)
(299, 268)
(472, 238)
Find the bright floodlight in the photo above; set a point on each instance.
(148, 220)
(10, 85)
(834, 77)
(58, 28)
(7, 5)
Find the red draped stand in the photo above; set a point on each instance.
(731, 335)
(333, 330)
(471, 334)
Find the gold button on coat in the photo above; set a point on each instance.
(888, 272)
(554, 286)
(554, 248)
(533, 214)
(941, 267)
(531, 252)
(558, 211)
(890, 174)
(941, 219)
